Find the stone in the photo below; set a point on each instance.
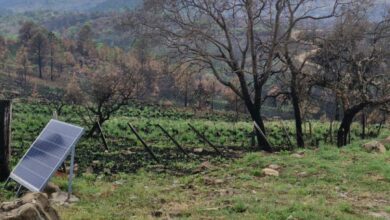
(61, 198)
(375, 146)
(33, 206)
(298, 155)
(198, 150)
(274, 167)
(269, 172)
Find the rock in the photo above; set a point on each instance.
(302, 174)
(386, 140)
(274, 167)
(61, 198)
(375, 146)
(298, 155)
(51, 188)
(33, 206)
(198, 150)
(269, 172)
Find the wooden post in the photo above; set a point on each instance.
(261, 133)
(204, 139)
(102, 136)
(147, 148)
(173, 140)
(5, 138)
(363, 135)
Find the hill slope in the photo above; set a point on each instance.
(66, 5)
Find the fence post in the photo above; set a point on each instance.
(5, 138)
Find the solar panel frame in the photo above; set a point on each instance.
(30, 186)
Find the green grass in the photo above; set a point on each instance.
(337, 184)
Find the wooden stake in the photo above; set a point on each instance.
(147, 148)
(173, 140)
(102, 136)
(261, 133)
(5, 138)
(200, 135)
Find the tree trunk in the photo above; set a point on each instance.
(40, 66)
(94, 128)
(297, 116)
(345, 126)
(261, 142)
(186, 94)
(363, 125)
(5, 138)
(51, 69)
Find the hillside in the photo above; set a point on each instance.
(66, 5)
(31, 5)
(116, 5)
(67, 17)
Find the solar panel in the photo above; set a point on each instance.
(46, 154)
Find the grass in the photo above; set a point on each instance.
(327, 183)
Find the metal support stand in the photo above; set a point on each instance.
(71, 172)
(6, 183)
(18, 192)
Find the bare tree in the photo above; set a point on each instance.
(108, 88)
(355, 61)
(235, 39)
(38, 48)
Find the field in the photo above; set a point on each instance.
(321, 182)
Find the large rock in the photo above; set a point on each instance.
(33, 206)
(374, 146)
(270, 172)
(61, 198)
